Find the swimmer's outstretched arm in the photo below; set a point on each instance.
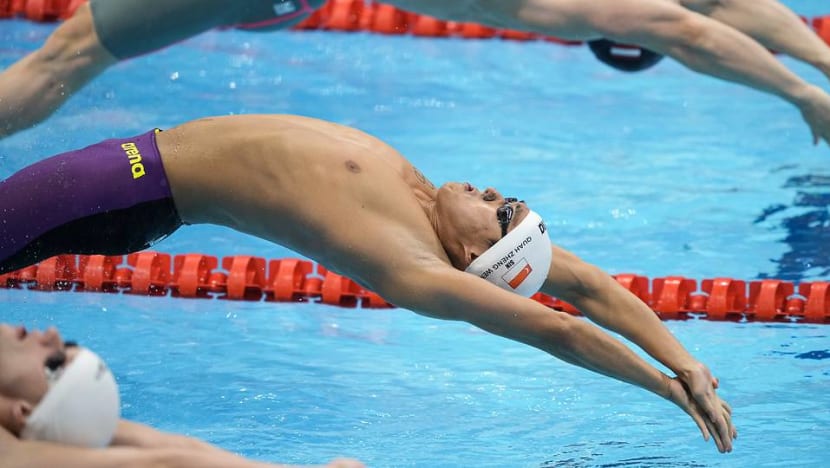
(28, 454)
(132, 434)
(32, 454)
(443, 292)
(599, 297)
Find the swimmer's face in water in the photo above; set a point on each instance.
(23, 358)
(468, 223)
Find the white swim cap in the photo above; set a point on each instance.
(520, 261)
(81, 406)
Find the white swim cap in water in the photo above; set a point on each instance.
(520, 261)
(81, 407)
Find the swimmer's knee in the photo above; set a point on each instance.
(74, 43)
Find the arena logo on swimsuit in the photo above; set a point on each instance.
(135, 159)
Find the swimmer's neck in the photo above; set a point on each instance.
(7, 435)
(429, 205)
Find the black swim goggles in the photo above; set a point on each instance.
(504, 214)
(57, 359)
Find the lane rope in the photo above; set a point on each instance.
(295, 280)
(251, 278)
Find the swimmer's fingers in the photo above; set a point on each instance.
(711, 414)
(732, 430)
(717, 437)
(815, 109)
(733, 433)
(680, 396)
(701, 424)
(726, 407)
(701, 387)
(814, 130)
(720, 425)
(728, 431)
(818, 137)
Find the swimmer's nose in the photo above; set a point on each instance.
(491, 194)
(51, 338)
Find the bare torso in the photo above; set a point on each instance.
(330, 192)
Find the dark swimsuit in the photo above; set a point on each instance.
(111, 198)
(128, 28)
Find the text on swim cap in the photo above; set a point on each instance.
(506, 260)
(135, 159)
(284, 7)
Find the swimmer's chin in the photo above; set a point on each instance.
(459, 187)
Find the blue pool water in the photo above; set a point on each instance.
(664, 172)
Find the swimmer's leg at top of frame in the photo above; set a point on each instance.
(770, 23)
(103, 32)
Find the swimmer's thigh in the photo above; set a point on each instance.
(128, 28)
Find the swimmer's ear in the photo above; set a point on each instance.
(14, 414)
(21, 410)
(469, 256)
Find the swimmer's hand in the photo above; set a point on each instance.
(715, 422)
(814, 104)
(701, 386)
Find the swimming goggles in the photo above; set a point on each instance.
(504, 214)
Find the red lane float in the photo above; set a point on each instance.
(672, 296)
(822, 27)
(339, 15)
(249, 278)
(725, 298)
(191, 275)
(97, 273)
(818, 300)
(427, 26)
(389, 20)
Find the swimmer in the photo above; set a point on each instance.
(103, 32)
(357, 206)
(59, 406)
(727, 39)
